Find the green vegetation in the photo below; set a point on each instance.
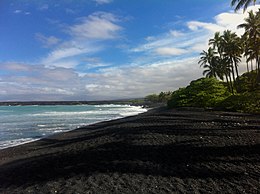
(246, 82)
(204, 92)
(246, 102)
(163, 97)
(226, 50)
(212, 93)
(221, 61)
(153, 98)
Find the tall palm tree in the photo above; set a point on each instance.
(252, 32)
(232, 50)
(226, 69)
(224, 66)
(251, 25)
(210, 62)
(242, 3)
(216, 41)
(245, 44)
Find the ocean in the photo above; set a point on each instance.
(22, 124)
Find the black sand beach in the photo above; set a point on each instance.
(161, 151)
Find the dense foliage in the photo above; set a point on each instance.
(204, 92)
(246, 82)
(246, 102)
(221, 61)
(209, 92)
(227, 49)
(163, 97)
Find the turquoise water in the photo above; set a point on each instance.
(21, 124)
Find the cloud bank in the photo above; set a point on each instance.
(162, 62)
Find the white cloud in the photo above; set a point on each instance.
(56, 78)
(35, 82)
(86, 37)
(223, 21)
(117, 82)
(176, 33)
(192, 41)
(69, 64)
(18, 11)
(199, 46)
(138, 81)
(98, 26)
(170, 51)
(15, 67)
(70, 11)
(196, 25)
(96, 87)
(44, 7)
(47, 41)
(64, 55)
(173, 43)
(100, 2)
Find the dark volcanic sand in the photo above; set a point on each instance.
(162, 151)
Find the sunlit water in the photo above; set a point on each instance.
(21, 124)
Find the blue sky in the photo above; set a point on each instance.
(104, 49)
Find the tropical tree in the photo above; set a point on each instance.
(226, 50)
(252, 36)
(216, 43)
(245, 45)
(224, 66)
(210, 62)
(232, 50)
(242, 3)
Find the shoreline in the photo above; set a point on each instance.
(32, 139)
(101, 102)
(159, 151)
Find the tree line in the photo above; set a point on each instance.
(226, 50)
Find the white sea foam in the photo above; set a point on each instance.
(113, 105)
(57, 131)
(41, 125)
(23, 124)
(59, 113)
(126, 114)
(122, 111)
(11, 143)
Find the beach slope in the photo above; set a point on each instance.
(161, 151)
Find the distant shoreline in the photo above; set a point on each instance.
(24, 103)
(132, 102)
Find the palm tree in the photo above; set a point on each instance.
(252, 34)
(232, 50)
(242, 3)
(245, 45)
(226, 69)
(216, 42)
(251, 25)
(210, 62)
(224, 66)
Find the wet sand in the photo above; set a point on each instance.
(161, 151)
